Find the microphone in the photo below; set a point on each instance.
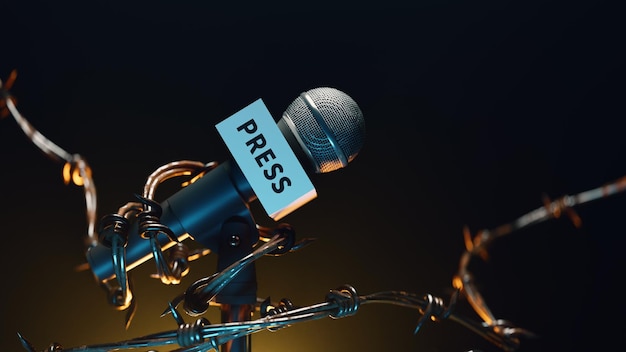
(323, 127)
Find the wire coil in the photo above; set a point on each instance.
(347, 300)
(191, 334)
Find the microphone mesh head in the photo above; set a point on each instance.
(329, 126)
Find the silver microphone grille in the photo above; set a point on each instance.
(328, 125)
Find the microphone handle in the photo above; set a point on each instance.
(197, 211)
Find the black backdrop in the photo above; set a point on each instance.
(473, 110)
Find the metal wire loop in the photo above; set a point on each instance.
(195, 303)
(340, 302)
(346, 299)
(435, 310)
(113, 226)
(117, 296)
(191, 334)
(268, 310)
(149, 223)
(149, 228)
(288, 236)
(179, 262)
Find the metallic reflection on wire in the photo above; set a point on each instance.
(341, 302)
(477, 246)
(75, 169)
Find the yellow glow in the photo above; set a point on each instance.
(66, 172)
(194, 179)
(76, 178)
(457, 283)
(72, 173)
(198, 255)
(269, 308)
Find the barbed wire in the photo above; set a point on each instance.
(75, 168)
(341, 302)
(478, 244)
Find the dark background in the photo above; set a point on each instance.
(474, 111)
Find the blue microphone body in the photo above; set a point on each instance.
(325, 129)
(198, 210)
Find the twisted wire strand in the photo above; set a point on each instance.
(266, 309)
(228, 274)
(191, 334)
(430, 307)
(119, 263)
(169, 272)
(289, 244)
(477, 245)
(75, 168)
(149, 228)
(201, 292)
(178, 260)
(341, 302)
(175, 169)
(347, 300)
(113, 233)
(502, 334)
